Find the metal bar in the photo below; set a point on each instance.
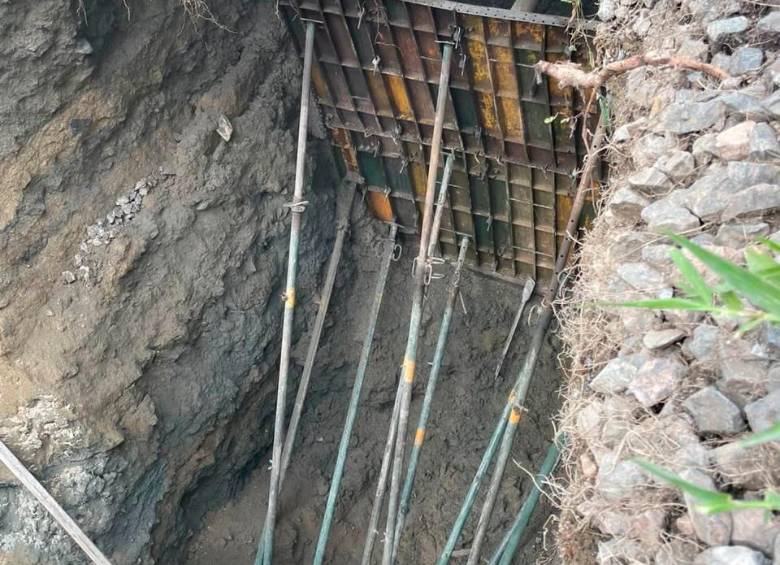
(410, 356)
(311, 352)
(357, 388)
(445, 184)
(289, 303)
(430, 390)
(510, 228)
(368, 547)
(502, 13)
(39, 492)
(520, 389)
(471, 494)
(508, 546)
(527, 291)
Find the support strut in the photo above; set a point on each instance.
(514, 407)
(341, 459)
(430, 390)
(297, 207)
(420, 267)
(445, 185)
(508, 547)
(314, 343)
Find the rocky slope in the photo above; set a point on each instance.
(142, 261)
(699, 157)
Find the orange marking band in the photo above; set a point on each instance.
(289, 301)
(419, 437)
(409, 370)
(514, 416)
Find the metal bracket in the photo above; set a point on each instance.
(296, 207)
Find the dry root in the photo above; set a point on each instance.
(571, 74)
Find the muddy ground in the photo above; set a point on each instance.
(467, 403)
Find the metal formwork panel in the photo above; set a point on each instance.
(376, 73)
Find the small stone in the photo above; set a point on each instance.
(712, 529)
(657, 380)
(617, 479)
(743, 374)
(704, 148)
(763, 143)
(646, 150)
(744, 105)
(730, 555)
(764, 413)
(774, 72)
(746, 59)
(68, 277)
(620, 550)
(122, 200)
(127, 208)
(688, 117)
(650, 180)
(693, 49)
(607, 10)
(769, 24)
(84, 273)
(720, 30)
(627, 131)
(703, 344)
(641, 276)
(84, 47)
(752, 529)
(756, 200)
(748, 174)
(668, 215)
(224, 127)
(733, 144)
(722, 61)
(613, 378)
(677, 165)
(714, 413)
(657, 254)
(708, 196)
(658, 339)
(627, 204)
(143, 191)
(740, 235)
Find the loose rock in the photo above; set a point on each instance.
(627, 204)
(714, 413)
(733, 144)
(763, 414)
(656, 380)
(658, 339)
(731, 555)
(712, 529)
(720, 30)
(614, 378)
(756, 200)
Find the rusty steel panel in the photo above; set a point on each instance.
(516, 138)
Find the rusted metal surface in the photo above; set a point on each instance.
(376, 75)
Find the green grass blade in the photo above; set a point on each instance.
(664, 304)
(758, 291)
(772, 245)
(696, 285)
(763, 265)
(770, 434)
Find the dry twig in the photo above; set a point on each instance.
(571, 74)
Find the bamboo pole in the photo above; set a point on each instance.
(445, 185)
(314, 343)
(297, 207)
(357, 388)
(368, 547)
(430, 390)
(528, 289)
(410, 355)
(519, 390)
(508, 546)
(40, 493)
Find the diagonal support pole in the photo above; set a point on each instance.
(357, 388)
(430, 390)
(297, 207)
(421, 265)
(311, 352)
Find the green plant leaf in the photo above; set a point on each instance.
(731, 301)
(763, 265)
(709, 501)
(758, 291)
(770, 434)
(664, 304)
(696, 285)
(772, 245)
